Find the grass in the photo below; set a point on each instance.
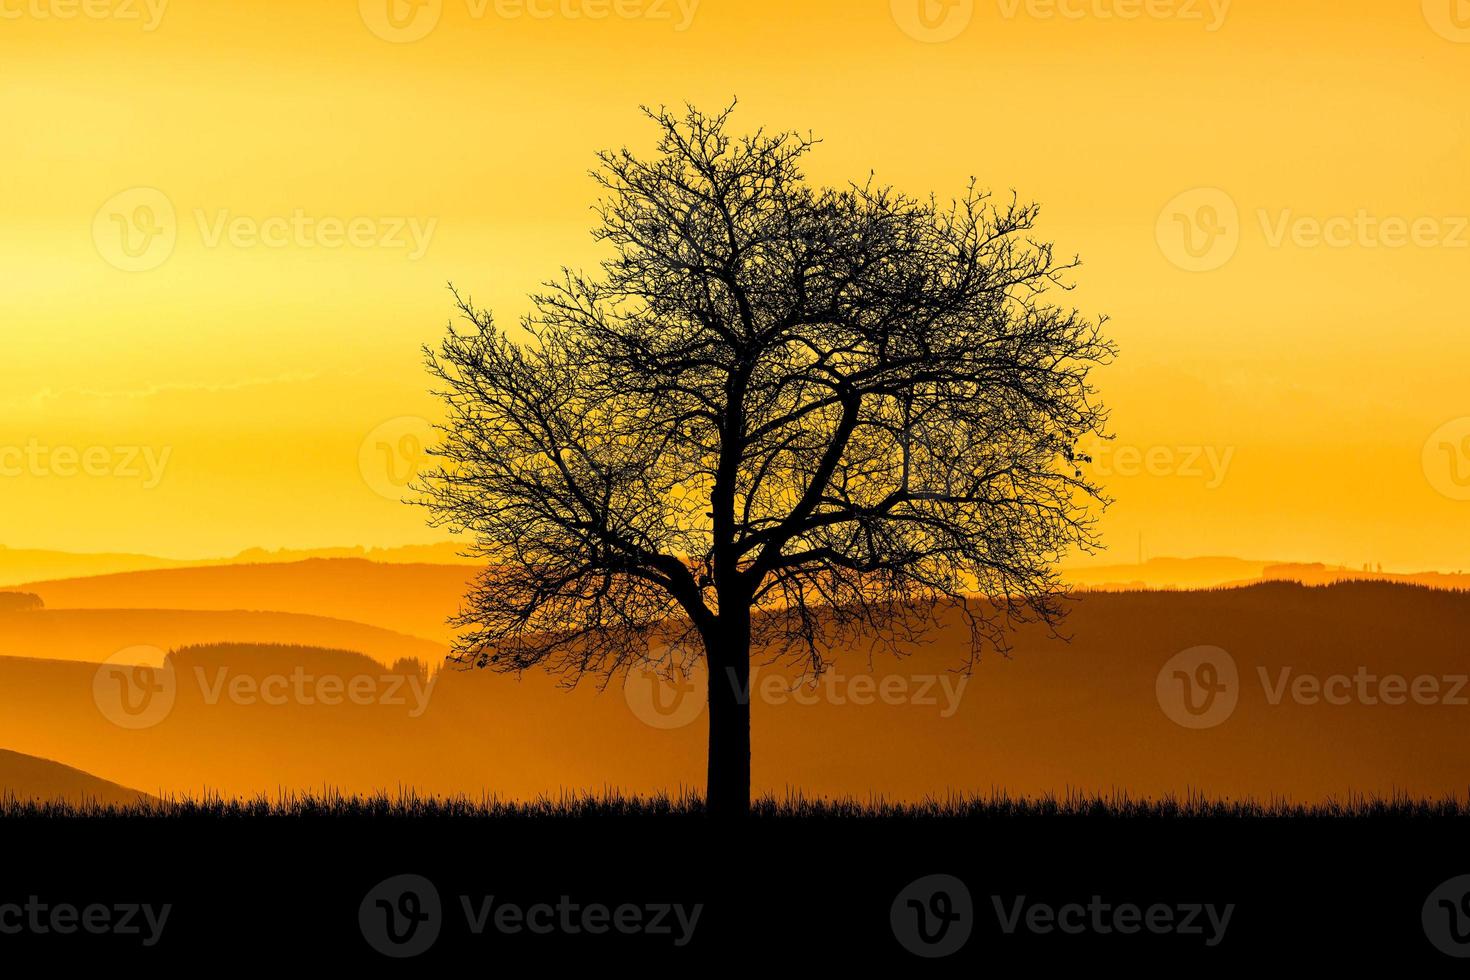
(408, 806)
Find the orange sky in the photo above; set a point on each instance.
(223, 386)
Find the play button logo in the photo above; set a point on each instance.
(1450, 19)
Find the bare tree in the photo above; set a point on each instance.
(780, 421)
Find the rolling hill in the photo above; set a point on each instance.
(1208, 573)
(19, 565)
(95, 634)
(26, 778)
(415, 599)
(1084, 714)
(1166, 573)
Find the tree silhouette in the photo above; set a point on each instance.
(779, 422)
(20, 602)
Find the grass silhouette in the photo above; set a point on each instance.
(611, 806)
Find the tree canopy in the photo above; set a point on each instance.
(832, 411)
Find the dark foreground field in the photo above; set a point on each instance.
(357, 883)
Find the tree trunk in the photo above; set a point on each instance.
(727, 791)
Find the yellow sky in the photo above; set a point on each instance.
(225, 386)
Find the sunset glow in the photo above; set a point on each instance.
(313, 186)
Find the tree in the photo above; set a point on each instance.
(779, 421)
(20, 602)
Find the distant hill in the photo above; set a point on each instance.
(1167, 573)
(447, 553)
(414, 599)
(96, 634)
(1055, 715)
(1318, 574)
(27, 778)
(19, 565)
(1209, 573)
